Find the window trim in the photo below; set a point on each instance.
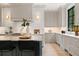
(73, 15)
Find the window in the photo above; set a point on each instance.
(71, 19)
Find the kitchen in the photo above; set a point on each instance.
(36, 24)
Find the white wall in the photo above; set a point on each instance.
(6, 21)
(22, 11)
(54, 20)
(68, 6)
(63, 16)
(38, 23)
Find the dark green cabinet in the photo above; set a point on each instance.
(20, 48)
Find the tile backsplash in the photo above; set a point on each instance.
(3, 30)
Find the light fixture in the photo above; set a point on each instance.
(7, 17)
(37, 17)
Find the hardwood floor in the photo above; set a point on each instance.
(52, 49)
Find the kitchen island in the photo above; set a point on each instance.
(13, 46)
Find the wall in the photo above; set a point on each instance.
(6, 21)
(68, 6)
(38, 23)
(52, 29)
(62, 17)
(18, 12)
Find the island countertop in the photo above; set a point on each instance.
(34, 37)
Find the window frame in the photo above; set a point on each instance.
(72, 16)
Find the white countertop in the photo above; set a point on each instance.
(71, 35)
(16, 38)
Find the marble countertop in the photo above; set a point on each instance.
(71, 35)
(16, 38)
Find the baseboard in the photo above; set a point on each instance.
(68, 52)
(57, 43)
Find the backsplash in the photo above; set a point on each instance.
(3, 30)
(52, 29)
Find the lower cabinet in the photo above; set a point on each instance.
(20, 48)
(5, 53)
(59, 40)
(68, 43)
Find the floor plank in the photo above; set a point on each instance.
(52, 49)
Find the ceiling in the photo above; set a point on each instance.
(46, 6)
(50, 6)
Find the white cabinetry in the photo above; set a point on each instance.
(0, 17)
(21, 11)
(51, 19)
(50, 37)
(70, 43)
(59, 40)
(77, 13)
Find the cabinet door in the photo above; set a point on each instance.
(60, 40)
(75, 46)
(30, 47)
(21, 11)
(6, 48)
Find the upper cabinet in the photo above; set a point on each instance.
(56, 18)
(51, 19)
(0, 18)
(21, 11)
(77, 13)
(15, 12)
